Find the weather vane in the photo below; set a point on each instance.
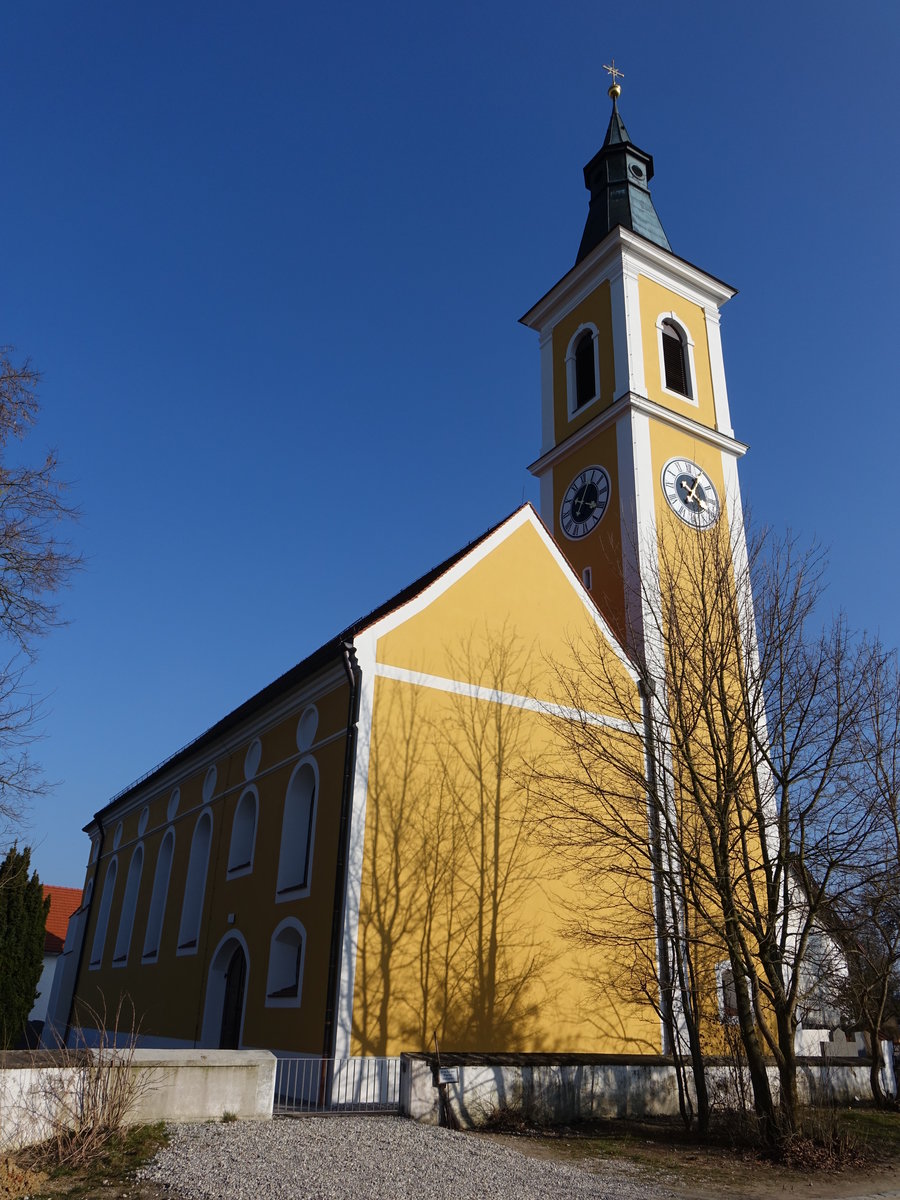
(615, 74)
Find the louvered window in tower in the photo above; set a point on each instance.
(585, 377)
(675, 359)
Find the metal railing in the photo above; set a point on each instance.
(337, 1085)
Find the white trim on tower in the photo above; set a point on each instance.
(717, 371)
(613, 414)
(636, 374)
(548, 424)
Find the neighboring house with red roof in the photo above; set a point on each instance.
(63, 902)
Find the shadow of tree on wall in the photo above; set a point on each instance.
(447, 938)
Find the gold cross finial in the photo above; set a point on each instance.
(615, 74)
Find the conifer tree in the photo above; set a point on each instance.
(23, 915)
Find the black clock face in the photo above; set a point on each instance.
(690, 493)
(585, 502)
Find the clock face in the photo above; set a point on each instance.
(585, 502)
(690, 493)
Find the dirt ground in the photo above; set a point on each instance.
(718, 1174)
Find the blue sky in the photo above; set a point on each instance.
(270, 260)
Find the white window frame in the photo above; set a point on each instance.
(272, 982)
(98, 945)
(195, 882)
(307, 728)
(159, 897)
(688, 342)
(721, 969)
(245, 866)
(283, 891)
(574, 408)
(122, 944)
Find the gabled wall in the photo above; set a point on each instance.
(460, 925)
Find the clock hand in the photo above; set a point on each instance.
(692, 496)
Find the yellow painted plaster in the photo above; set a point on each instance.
(516, 596)
(601, 550)
(654, 301)
(465, 904)
(595, 309)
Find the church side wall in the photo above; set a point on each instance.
(241, 894)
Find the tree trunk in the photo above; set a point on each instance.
(763, 1104)
(788, 1100)
(878, 1096)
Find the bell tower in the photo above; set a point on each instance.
(636, 429)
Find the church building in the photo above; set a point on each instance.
(353, 859)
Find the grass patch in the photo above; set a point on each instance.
(105, 1175)
(879, 1129)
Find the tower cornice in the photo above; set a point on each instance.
(620, 250)
(631, 402)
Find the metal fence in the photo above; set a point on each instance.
(337, 1085)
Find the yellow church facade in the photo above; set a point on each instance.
(358, 858)
(353, 861)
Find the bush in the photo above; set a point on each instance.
(86, 1106)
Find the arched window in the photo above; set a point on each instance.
(158, 895)
(109, 886)
(675, 359)
(79, 918)
(243, 835)
(582, 368)
(297, 831)
(195, 885)
(129, 905)
(728, 1009)
(585, 379)
(285, 979)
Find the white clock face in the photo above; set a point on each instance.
(690, 493)
(585, 502)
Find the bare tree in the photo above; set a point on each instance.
(867, 921)
(606, 804)
(442, 946)
(35, 562)
(744, 817)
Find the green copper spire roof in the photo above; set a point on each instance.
(618, 178)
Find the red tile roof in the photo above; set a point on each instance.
(63, 902)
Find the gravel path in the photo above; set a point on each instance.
(370, 1158)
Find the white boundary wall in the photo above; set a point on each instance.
(171, 1085)
(556, 1093)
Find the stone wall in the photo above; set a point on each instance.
(179, 1085)
(566, 1088)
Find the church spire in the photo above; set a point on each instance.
(618, 178)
